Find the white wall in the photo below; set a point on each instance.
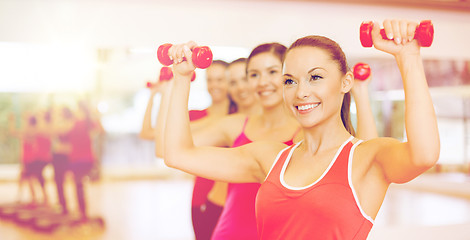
(128, 23)
(124, 26)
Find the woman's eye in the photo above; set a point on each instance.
(288, 81)
(253, 75)
(315, 77)
(273, 72)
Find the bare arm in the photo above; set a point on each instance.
(366, 128)
(219, 131)
(161, 118)
(208, 131)
(12, 126)
(225, 164)
(404, 161)
(147, 131)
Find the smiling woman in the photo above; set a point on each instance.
(316, 77)
(251, 123)
(330, 174)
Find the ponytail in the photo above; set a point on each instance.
(345, 114)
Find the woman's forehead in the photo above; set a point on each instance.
(305, 58)
(264, 60)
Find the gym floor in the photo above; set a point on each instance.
(433, 206)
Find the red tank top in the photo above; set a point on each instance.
(28, 151)
(197, 114)
(238, 220)
(327, 209)
(80, 140)
(43, 148)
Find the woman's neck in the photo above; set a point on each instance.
(249, 110)
(324, 136)
(275, 116)
(219, 108)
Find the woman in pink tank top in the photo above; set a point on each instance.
(268, 122)
(204, 211)
(333, 182)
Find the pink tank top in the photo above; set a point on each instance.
(327, 209)
(202, 186)
(238, 220)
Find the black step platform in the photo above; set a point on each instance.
(45, 218)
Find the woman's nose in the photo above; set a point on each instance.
(302, 90)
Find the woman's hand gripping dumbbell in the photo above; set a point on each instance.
(424, 33)
(201, 56)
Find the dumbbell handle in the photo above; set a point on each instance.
(202, 56)
(424, 33)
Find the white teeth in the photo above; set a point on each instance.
(308, 106)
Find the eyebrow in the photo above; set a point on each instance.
(309, 71)
(315, 68)
(288, 75)
(273, 66)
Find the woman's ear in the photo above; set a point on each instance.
(347, 82)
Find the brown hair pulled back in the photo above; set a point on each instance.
(337, 55)
(277, 49)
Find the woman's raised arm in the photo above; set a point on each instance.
(404, 161)
(147, 131)
(366, 128)
(226, 164)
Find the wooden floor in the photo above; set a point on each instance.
(160, 209)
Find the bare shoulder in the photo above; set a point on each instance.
(379, 143)
(222, 123)
(265, 153)
(233, 124)
(368, 150)
(236, 117)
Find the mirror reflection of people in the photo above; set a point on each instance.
(61, 124)
(81, 157)
(31, 159)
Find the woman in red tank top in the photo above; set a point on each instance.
(31, 167)
(238, 217)
(267, 123)
(42, 150)
(335, 183)
(81, 157)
